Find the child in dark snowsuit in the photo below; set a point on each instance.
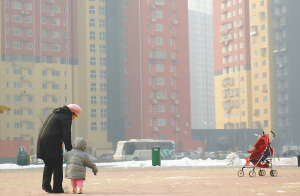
(77, 160)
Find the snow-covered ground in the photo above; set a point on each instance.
(231, 160)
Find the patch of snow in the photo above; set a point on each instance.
(231, 159)
(281, 191)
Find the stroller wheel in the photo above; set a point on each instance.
(240, 173)
(263, 172)
(259, 173)
(252, 173)
(273, 173)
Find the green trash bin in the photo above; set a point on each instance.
(156, 156)
(23, 158)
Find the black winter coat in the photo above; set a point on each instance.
(56, 130)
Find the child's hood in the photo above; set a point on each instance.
(80, 143)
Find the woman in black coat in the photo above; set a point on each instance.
(55, 131)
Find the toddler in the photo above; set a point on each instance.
(77, 160)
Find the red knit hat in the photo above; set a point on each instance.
(75, 108)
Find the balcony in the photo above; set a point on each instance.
(226, 38)
(24, 12)
(253, 30)
(159, 2)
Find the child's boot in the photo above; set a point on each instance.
(79, 190)
(74, 190)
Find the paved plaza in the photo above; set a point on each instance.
(115, 181)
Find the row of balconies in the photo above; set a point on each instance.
(156, 128)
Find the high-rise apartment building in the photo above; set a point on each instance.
(286, 65)
(262, 65)
(38, 52)
(156, 71)
(201, 64)
(90, 85)
(232, 64)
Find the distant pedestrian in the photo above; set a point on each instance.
(55, 131)
(77, 161)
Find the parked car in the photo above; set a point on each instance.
(221, 154)
(106, 158)
(33, 160)
(290, 153)
(188, 154)
(210, 155)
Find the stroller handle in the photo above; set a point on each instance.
(273, 133)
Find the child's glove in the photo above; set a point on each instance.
(95, 170)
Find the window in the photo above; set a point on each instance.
(159, 41)
(161, 122)
(264, 75)
(158, 14)
(92, 35)
(103, 100)
(93, 113)
(93, 87)
(256, 99)
(18, 125)
(102, 61)
(44, 7)
(44, 46)
(266, 123)
(265, 99)
(55, 47)
(17, 5)
(93, 100)
(29, 19)
(262, 4)
(18, 99)
(263, 39)
(92, 9)
(253, 6)
(240, 10)
(103, 87)
(93, 74)
(29, 32)
(266, 111)
(160, 108)
(44, 99)
(160, 81)
(102, 36)
(159, 27)
(102, 48)
(93, 126)
(92, 60)
(159, 68)
(44, 21)
(18, 85)
(103, 113)
(17, 45)
(55, 9)
(103, 126)
(102, 23)
(17, 31)
(264, 63)
(92, 22)
(102, 10)
(29, 45)
(55, 21)
(93, 48)
(55, 86)
(56, 73)
(102, 74)
(255, 64)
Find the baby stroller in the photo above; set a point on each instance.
(260, 157)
